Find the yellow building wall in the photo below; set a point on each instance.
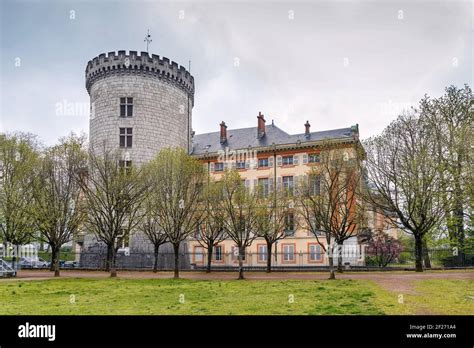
(300, 240)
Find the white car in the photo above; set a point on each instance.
(31, 262)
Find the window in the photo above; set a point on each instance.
(263, 163)
(262, 253)
(290, 224)
(218, 253)
(125, 137)
(123, 241)
(198, 254)
(198, 232)
(316, 226)
(287, 160)
(288, 252)
(315, 252)
(126, 107)
(263, 187)
(315, 184)
(240, 164)
(288, 185)
(219, 167)
(313, 158)
(125, 166)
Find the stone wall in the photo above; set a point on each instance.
(160, 115)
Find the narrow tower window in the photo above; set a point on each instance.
(125, 166)
(125, 137)
(126, 107)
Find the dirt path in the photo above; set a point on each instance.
(399, 282)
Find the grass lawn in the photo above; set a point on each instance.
(162, 296)
(443, 297)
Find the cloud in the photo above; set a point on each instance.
(334, 64)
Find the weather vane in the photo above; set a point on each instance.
(147, 40)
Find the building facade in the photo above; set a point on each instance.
(267, 157)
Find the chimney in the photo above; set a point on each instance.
(306, 129)
(223, 132)
(261, 126)
(355, 131)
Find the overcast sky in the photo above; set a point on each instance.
(332, 63)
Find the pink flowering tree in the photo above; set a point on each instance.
(383, 249)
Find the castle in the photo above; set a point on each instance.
(142, 103)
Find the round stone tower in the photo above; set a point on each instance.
(139, 104)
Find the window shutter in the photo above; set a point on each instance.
(305, 158)
(247, 183)
(212, 167)
(254, 163)
(295, 160)
(278, 161)
(270, 184)
(247, 163)
(270, 161)
(279, 184)
(296, 180)
(255, 185)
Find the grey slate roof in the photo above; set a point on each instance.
(244, 137)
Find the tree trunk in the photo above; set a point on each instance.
(339, 258)
(426, 256)
(418, 252)
(14, 265)
(54, 256)
(269, 257)
(459, 221)
(176, 260)
(332, 274)
(209, 257)
(241, 263)
(155, 265)
(459, 210)
(108, 260)
(14, 256)
(56, 253)
(113, 269)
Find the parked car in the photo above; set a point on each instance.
(30, 262)
(70, 264)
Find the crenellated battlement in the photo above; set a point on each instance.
(122, 63)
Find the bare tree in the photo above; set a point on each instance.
(211, 231)
(271, 218)
(239, 207)
(151, 228)
(113, 193)
(329, 203)
(19, 154)
(177, 180)
(57, 209)
(403, 177)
